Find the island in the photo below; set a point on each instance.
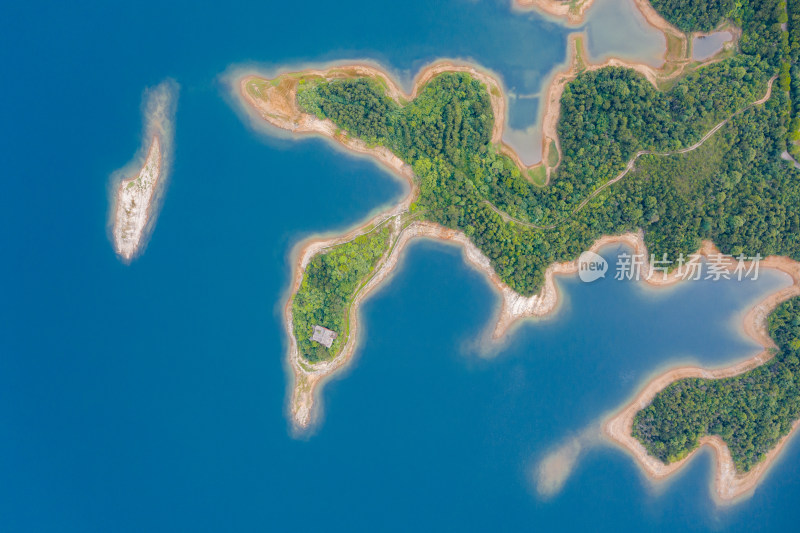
(669, 161)
(135, 200)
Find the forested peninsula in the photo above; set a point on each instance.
(678, 157)
(751, 411)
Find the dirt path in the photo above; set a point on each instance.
(630, 166)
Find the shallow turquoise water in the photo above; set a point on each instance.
(152, 396)
(615, 28)
(706, 46)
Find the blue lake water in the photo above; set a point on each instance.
(152, 396)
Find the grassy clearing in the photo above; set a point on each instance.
(538, 175)
(675, 48)
(580, 62)
(552, 154)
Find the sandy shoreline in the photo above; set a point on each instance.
(308, 376)
(275, 102)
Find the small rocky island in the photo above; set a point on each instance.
(133, 204)
(136, 196)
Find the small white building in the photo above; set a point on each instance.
(324, 336)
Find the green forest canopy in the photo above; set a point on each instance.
(750, 412)
(607, 116)
(330, 281)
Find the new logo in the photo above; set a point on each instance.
(591, 267)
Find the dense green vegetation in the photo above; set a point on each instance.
(331, 280)
(760, 19)
(790, 74)
(733, 190)
(691, 15)
(450, 118)
(765, 37)
(608, 116)
(750, 412)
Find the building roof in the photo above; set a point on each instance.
(324, 336)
